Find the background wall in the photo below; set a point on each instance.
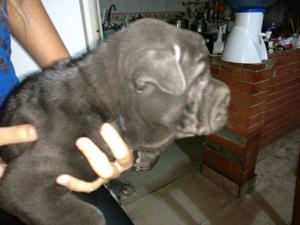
(283, 101)
(125, 6)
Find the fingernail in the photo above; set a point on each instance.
(32, 133)
(106, 127)
(63, 179)
(82, 141)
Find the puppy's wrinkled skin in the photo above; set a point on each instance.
(151, 81)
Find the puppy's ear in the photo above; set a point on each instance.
(162, 69)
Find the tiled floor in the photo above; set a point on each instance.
(175, 193)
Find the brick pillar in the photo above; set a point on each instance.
(233, 150)
(265, 106)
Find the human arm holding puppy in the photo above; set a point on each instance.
(32, 27)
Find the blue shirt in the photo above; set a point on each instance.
(8, 78)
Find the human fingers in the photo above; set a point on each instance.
(123, 155)
(75, 184)
(17, 134)
(99, 163)
(96, 158)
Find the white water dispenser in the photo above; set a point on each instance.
(245, 43)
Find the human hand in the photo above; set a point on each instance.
(99, 162)
(14, 135)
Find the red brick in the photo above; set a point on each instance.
(264, 75)
(245, 87)
(229, 145)
(238, 129)
(253, 149)
(234, 65)
(284, 78)
(293, 58)
(233, 107)
(260, 87)
(230, 169)
(281, 61)
(233, 84)
(289, 90)
(284, 53)
(254, 138)
(284, 84)
(278, 54)
(286, 68)
(281, 111)
(252, 110)
(287, 101)
(274, 115)
(256, 76)
(273, 56)
(231, 72)
(279, 115)
(294, 65)
(279, 132)
(272, 134)
(248, 88)
(248, 173)
(247, 122)
(272, 125)
(249, 99)
(246, 75)
(237, 119)
(283, 69)
(254, 66)
(284, 100)
(249, 164)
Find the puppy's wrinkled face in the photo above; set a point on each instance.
(168, 83)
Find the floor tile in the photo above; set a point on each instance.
(241, 212)
(152, 209)
(172, 164)
(192, 198)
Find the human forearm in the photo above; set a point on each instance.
(32, 27)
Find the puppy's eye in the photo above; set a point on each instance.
(140, 85)
(143, 84)
(144, 87)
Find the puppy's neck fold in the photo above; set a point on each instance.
(104, 82)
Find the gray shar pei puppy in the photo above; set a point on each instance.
(151, 81)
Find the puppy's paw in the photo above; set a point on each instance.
(141, 165)
(146, 160)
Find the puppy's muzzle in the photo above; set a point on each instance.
(206, 110)
(215, 103)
